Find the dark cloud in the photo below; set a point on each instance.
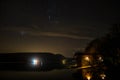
(34, 32)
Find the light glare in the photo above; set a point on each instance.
(63, 61)
(87, 58)
(35, 61)
(88, 76)
(103, 76)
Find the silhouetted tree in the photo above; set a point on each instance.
(109, 45)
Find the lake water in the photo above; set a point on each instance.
(50, 75)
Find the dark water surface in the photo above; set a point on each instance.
(50, 75)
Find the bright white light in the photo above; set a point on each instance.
(35, 61)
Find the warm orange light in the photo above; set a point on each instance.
(88, 76)
(87, 58)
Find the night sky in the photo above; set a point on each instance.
(57, 26)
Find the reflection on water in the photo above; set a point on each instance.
(96, 70)
(88, 76)
(97, 74)
(94, 67)
(102, 76)
(94, 74)
(24, 75)
(89, 67)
